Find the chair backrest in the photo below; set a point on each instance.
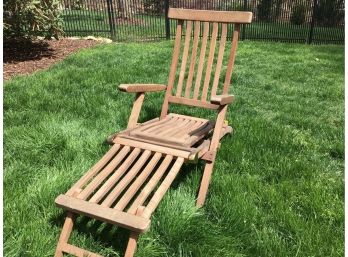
(198, 75)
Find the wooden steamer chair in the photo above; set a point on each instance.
(127, 184)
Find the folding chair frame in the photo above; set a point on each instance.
(138, 220)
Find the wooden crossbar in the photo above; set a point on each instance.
(210, 16)
(112, 216)
(74, 250)
(156, 148)
(193, 102)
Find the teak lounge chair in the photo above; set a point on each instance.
(127, 184)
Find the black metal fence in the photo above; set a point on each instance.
(302, 21)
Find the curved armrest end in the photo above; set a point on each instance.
(222, 99)
(140, 88)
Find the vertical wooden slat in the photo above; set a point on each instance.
(135, 169)
(94, 170)
(231, 58)
(184, 57)
(122, 203)
(197, 29)
(210, 61)
(150, 185)
(158, 195)
(175, 59)
(220, 58)
(201, 60)
(102, 191)
(103, 174)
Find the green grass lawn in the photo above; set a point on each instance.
(150, 27)
(277, 189)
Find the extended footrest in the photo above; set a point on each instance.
(121, 182)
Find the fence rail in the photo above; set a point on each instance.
(302, 21)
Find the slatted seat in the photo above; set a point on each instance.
(127, 184)
(175, 129)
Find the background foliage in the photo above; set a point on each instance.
(298, 15)
(329, 12)
(26, 18)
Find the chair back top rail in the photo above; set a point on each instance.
(210, 16)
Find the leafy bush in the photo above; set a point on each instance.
(153, 6)
(77, 5)
(264, 10)
(26, 18)
(329, 12)
(268, 10)
(298, 15)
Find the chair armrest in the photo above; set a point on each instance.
(140, 88)
(222, 99)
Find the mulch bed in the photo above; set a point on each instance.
(25, 57)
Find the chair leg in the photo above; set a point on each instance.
(208, 170)
(132, 244)
(133, 238)
(65, 234)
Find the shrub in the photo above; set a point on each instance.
(298, 15)
(264, 10)
(329, 12)
(77, 5)
(268, 10)
(26, 18)
(153, 6)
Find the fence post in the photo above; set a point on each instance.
(167, 22)
(245, 6)
(311, 31)
(111, 18)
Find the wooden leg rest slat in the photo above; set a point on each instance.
(112, 216)
(79, 252)
(95, 169)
